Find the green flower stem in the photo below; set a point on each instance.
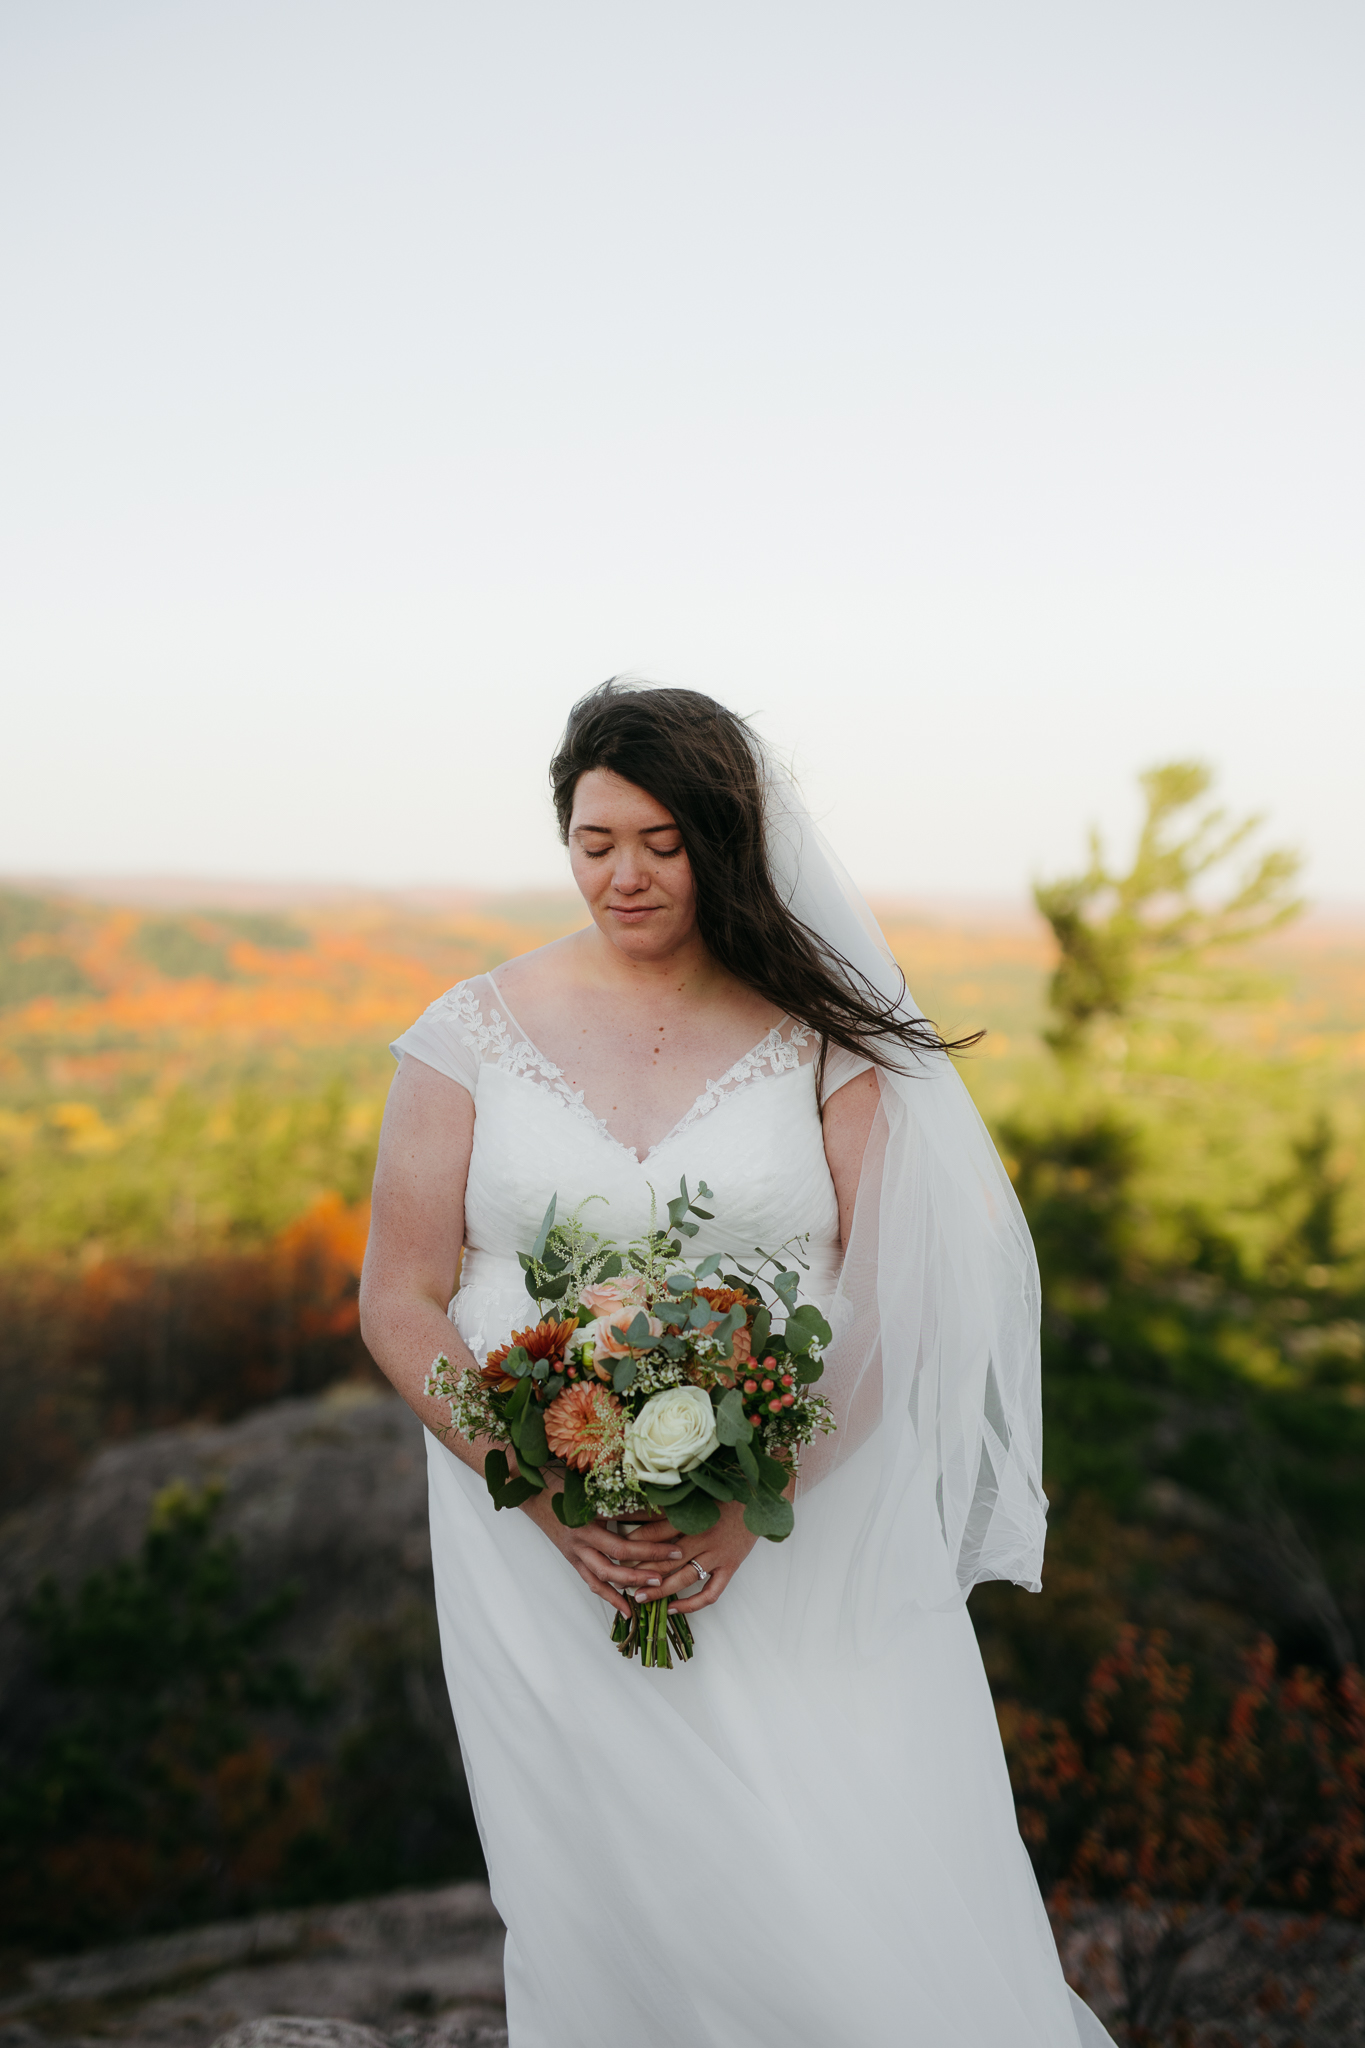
(647, 1632)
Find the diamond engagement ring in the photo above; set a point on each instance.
(703, 1576)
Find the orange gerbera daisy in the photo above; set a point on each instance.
(546, 1340)
(583, 1426)
(723, 1299)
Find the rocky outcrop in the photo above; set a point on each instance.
(412, 1970)
(327, 1495)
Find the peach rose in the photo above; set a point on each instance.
(608, 1338)
(610, 1295)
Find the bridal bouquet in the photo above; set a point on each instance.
(653, 1386)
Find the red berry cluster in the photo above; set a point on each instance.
(769, 1392)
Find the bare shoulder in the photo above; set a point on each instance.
(848, 1117)
(548, 971)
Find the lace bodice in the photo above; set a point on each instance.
(753, 1134)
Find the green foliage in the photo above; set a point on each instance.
(185, 947)
(182, 948)
(183, 1771)
(1204, 1310)
(1127, 941)
(397, 1809)
(183, 1167)
(158, 1664)
(21, 915)
(261, 928)
(26, 971)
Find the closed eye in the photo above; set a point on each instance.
(660, 852)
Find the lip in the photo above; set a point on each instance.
(630, 915)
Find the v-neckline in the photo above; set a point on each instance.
(574, 1096)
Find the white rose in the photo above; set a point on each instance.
(673, 1432)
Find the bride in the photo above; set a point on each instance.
(803, 1838)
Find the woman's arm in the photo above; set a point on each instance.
(416, 1231)
(848, 1124)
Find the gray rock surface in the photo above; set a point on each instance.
(286, 2030)
(327, 1494)
(420, 1969)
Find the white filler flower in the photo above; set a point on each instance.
(673, 1432)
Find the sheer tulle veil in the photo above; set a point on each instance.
(933, 1371)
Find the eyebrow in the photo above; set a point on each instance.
(669, 827)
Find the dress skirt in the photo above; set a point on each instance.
(767, 1847)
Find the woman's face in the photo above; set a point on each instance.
(629, 864)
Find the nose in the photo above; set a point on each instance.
(629, 875)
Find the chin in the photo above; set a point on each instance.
(641, 939)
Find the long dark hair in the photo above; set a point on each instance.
(701, 762)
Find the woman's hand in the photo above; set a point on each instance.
(605, 1560)
(719, 1550)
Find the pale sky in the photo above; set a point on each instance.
(973, 392)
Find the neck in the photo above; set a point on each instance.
(686, 970)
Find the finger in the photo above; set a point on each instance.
(614, 1600)
(661, 1531)
(635, 1553)
(705, 1596)
(679, 1584)
(614, 1572)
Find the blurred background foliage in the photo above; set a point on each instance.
(1174, 1069)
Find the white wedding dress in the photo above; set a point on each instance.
(772, 1846)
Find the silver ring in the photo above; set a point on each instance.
(703, 1576)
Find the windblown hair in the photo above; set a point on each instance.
(702, 763)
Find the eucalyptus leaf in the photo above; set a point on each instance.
(769, 1516)
(624, 1375)
(546, 1226)
(639, 1331)
(748, 1463)
(679, 1283)
(711, 1482)
(732, 1424)
(515, 1492)
(529, 1437)
(758, 1331)
(666, 1498)
(771, 1472)
(578, 1509)
(805, 1326)
(707, 1194)
(673, 1347)
(807, 1370)
(693, 1513)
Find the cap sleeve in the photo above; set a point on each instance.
(445, 1036)
(841, 1067)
